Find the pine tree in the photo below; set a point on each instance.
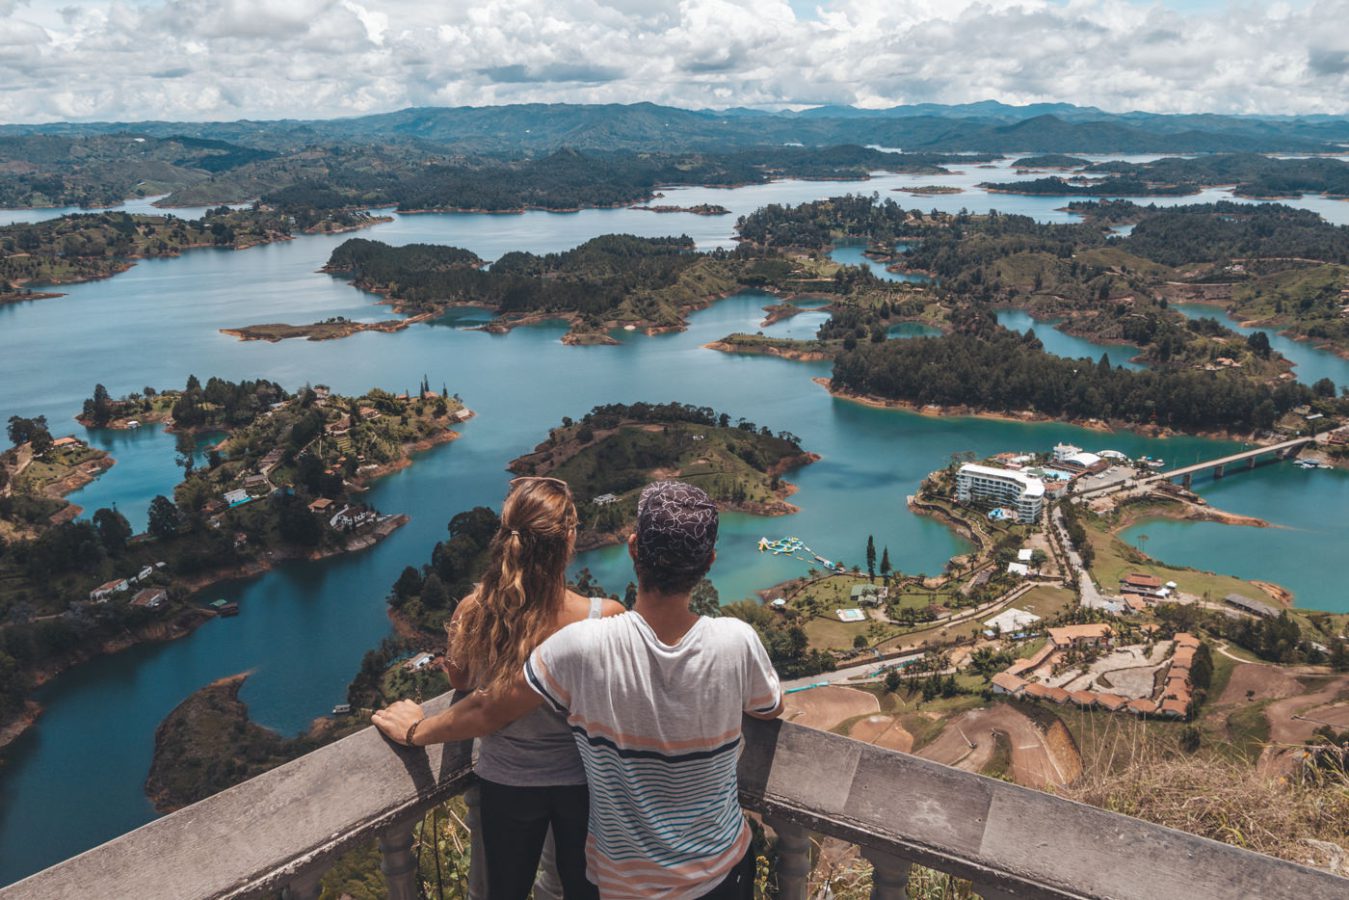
(885, 565)
(871, 557)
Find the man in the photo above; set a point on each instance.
(655, 699)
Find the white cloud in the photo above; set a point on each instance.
(204, 59)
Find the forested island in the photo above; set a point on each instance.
(985, 368)
(1249, 174)
(614, 451)
(282, 481)
(79, 248)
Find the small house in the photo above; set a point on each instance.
(101, 593)
(236, 497)
(1097, 634)
(150, 598)
(1007, 683)
(321, 505)
(418, 662)
(605, 499)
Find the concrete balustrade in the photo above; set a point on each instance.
(284, 829)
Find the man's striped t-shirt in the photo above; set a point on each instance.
(658, 727)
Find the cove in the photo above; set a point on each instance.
(1063, 344)
(76, 779)
(1310, 363)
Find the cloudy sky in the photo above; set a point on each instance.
(230, 59)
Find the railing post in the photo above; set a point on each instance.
(305, 887)
(889, 875)
(399, 863)
(793, 863)
(477, 862)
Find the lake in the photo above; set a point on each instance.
(76, 780)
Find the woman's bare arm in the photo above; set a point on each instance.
(479, 715)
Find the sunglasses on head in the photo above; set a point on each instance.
(525, 479)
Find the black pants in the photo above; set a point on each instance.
(515, 821)
(738, 883)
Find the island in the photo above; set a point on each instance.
(281, 479)
(1050, 161)
(614, 451)
(76, 248)
(930, 190)
(700, 209)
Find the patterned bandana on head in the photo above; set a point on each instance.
(676, 527)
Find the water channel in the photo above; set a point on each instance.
(76, 779)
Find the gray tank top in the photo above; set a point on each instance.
(536, 750)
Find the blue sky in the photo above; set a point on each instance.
(229, 59)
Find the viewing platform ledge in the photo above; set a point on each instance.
(281, 831)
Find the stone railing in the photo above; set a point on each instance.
(283, 830)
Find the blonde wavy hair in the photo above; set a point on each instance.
(517, 605)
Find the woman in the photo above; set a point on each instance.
(530, 772)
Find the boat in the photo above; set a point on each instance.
(342, 709)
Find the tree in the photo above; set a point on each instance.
(409, 584)
(434, 595)
(1339, 655)
(859, 642)
(186, 447)
(1258, 343)
(704, 599)
(871, 557)
(98, 410)
(164, 518)
(885, 564)
(113, 530)
(22, 430)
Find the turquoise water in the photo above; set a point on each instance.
(76, 779)
(1061, 344)
(854, 254)
(1310, 363)
(1305, 505)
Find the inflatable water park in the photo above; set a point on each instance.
(796, 549)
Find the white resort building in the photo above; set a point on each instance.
(984, 484)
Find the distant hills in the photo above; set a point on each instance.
(989, 126)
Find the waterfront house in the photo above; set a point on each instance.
(67, 442)
(101, 593)
(1144, 585)
(150, 598)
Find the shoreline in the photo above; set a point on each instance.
(1279, 328)
(1026, 416)
(193, 616)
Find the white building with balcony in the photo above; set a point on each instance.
(1003, 487)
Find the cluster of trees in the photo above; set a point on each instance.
(1254, 175)
(990, 368)
(24, 430)
(428, 596)
(1211, 232)
(224, 404)
(594, 278)
(610, 415)
(819, 223)
(785, 639)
